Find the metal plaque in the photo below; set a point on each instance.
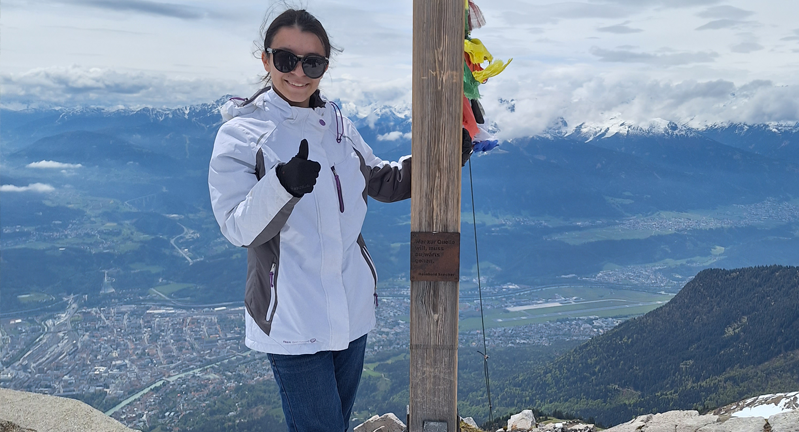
(435, 257)
(434, 426)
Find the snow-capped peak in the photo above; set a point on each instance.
(618, 126)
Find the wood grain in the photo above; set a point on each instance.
(435, 204)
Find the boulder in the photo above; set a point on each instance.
(7, 426)
(551, 427)
(733, 418)
(470, 421)
(43, 413)
(672, 421)
(385, 423)
(746, 424)
(579, 427)
(785, 422)
(524, 421)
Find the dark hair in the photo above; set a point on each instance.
(299, 18)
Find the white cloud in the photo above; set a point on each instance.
(792, 38)
(33, 187)
(393, 136)
(626, 56)
(663, 3)
(47, 164)
(76, 85)
(622, 28)
(746, 47)
(526, 13)
(724, 24)
(579, 96)
(581, 60)
(171, 10)
(725, 11)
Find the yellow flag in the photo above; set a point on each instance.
(477, 52)
(494, 69)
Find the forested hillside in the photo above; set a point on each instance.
(727, 335)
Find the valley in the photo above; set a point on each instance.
(143, 351)
(115, 276)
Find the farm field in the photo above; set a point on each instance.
(552, 304)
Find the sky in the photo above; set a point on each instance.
(695, 62)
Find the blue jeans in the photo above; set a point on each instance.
(318, 390)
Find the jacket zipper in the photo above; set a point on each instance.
(338, 189)
(273, 298)
(371, 265)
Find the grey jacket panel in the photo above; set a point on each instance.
(387, 182)
(263, 262)
(260, 296)
(273, 228)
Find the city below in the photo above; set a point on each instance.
(128, 351)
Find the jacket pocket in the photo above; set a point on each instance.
(260, 297)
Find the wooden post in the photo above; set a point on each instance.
(438, 33)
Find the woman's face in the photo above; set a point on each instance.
(295, 87)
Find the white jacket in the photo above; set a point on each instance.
(310, 279)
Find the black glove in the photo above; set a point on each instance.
(466, 147)
(299, 175)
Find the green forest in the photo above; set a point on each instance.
(728, 335)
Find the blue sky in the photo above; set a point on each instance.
(689, 61)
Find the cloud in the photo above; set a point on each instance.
(552, 13)
(662, 3)
(625, 56)
(746, 47)
(723, 24)
(393, 136)
(622, 28)
(46, 164)
(579, 95)
(82, 86)
(725, 12)
(170, 10)
(792, 38)
(33, 187)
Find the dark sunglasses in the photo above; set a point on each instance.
(313, 65)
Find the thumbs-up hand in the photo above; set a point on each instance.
(299, 175)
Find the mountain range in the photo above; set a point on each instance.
(640, 206)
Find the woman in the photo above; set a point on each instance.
(288, 179)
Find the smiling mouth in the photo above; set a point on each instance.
(295, 85)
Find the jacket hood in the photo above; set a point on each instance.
(237, 106)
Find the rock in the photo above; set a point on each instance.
(785, 422)
(524, 421)
(45, 413)
(579, 427)
(672, 421)
(470, 421)
(7, 426)
(744, 416)
(552, 427)
(761, 406)
(735, 424)
(385, 423)
(469, 425)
